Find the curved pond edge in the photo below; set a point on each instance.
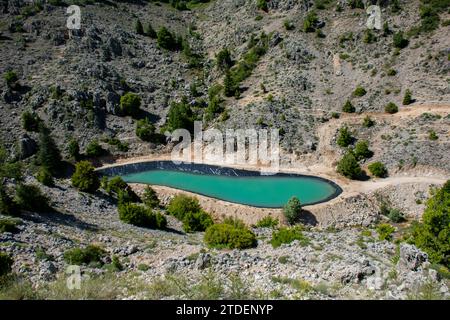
(209, 169)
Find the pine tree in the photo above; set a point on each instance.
(139, 27)
(48, 154)
(408, 98)
(229, 85)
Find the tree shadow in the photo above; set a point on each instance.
(307, 218)
(56, 217)
(363, 176)
(142, 114)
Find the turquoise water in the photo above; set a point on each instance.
(258, 191)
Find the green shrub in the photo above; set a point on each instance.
(10, 78)
(362, 150)
(287, 235)
(385, 231)
(288, 25)
(399, 41)
(6, 263)
(73, 149)
(262, 5)
(91, 254)
(196, 221)
(149, 31)
(85, 178)
(432, 135)
(130, 104)
(368, 122)
(150, 198)
(230, 86)
(391, 72)
(348, 107)
(45, 177)
(378, 169)
(349, 167)
(369, 37)
(214, 108)
(309, 24)
(138, 27)
(231, 234)
(356, 4)
(7, 205)
(344, 138)
(30, 121)
(145, 130)
(267, 222)
(9, 225)
(48, 154)
(224, 60)
(432, 234)
(30, 198)
(407, 99)
(391, 108)
(396, 215)
(116, 186)
(141, 216)
(181, 204)
(180, 116)
(359, 92)
(292, 210)
(94, 149)
(167, 40)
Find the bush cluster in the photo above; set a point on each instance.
(230, 234)
(141, 216)
(187, 210)
(91, 254)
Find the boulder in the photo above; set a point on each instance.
(411, 258)
(27, 147)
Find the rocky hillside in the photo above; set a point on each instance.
(137, 68)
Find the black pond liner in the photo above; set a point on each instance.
(207, 169)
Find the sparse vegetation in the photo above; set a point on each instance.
(385, 231)
(287, 235)
(267, 222)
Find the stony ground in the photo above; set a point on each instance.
(345, 263)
